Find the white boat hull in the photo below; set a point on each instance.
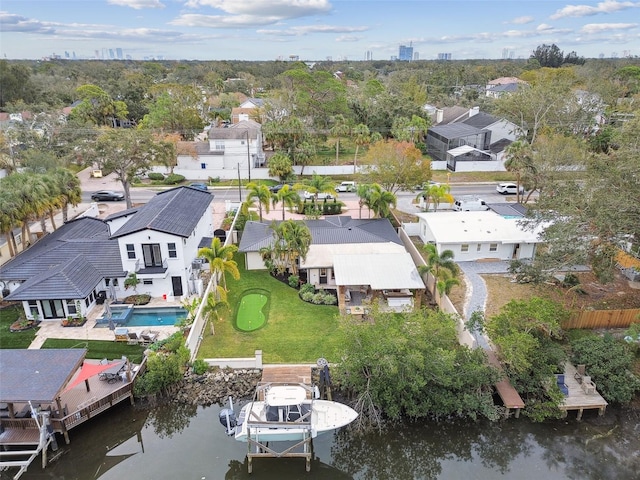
(325, 416)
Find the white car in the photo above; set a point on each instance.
(321, 195)
(509, 189)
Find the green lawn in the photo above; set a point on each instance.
(251, 314)
(10, 339)
(99, 349)
(296, 331)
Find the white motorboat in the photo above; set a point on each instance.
(281, 412)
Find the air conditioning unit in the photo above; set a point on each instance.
(196, 264)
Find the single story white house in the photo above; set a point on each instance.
(478, 235)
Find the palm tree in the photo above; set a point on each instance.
(292, 240)
(220, 259)
(441, 265)
(380, 201)
(214, 303)
(363, 195)
(519, 160)
(340, 129)
(436, 194)
(318, 184)
(71, 193)
(262, 194)
(361, 137)
(287, 196)
(445, 284)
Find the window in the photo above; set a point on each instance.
(107, 281)
(203, 166)
(71, 307)
(172, 250)
(464, 247)
(131, 251)
(115, 282)
(493, 247)
(147, 282)
(478, 247)
(151, 254)
(33, 308)
(219, 145)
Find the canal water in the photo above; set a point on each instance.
(189, 443)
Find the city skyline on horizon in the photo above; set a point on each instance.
(314, 30)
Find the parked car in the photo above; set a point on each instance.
(199, 186)
(509, 188)
(321, 195)
(346, 187)
(277, 188)
(469, 204)
(107, 195)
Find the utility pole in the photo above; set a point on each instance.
(239, 184)
(248, 156)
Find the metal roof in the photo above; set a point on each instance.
(321, 256)
(388, 271)
(481, 120)
(176, 211)
(455, 130)
(37, 375)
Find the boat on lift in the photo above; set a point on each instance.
(286, 412)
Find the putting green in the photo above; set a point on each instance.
(250, 314)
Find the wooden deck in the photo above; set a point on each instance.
(509, 395)
(286, 374)
(578, 399)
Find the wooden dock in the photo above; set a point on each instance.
(286, 374)
(578, 398)
(509, 395)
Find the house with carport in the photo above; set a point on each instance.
(477, 236)
(363, 260)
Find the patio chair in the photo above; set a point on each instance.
(148, 337)
(561, 385)
(133, 338)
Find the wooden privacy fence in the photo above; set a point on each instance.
(603, 319)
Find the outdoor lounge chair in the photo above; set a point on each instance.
(133, 338)
(148, 337)
(561, 385)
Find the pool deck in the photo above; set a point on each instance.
(53, 329)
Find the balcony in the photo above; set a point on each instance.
(158, 271)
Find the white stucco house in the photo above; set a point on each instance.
(86, 260)
(481, 235)
(230, 150)
(358, 258)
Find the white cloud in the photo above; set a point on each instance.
(348, 38)
(608, 6)
(282, 9)
(591, 28)
(137, 4)
(222, 21)
(309, 29)
(521, 20)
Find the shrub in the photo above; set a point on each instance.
(307, 296)
(330, 299)
(200, 366)
(214, 179)
(294, 281)
(318, 298)
(174, 179)
(155, 176)
(307, 287)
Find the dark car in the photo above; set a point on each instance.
(199, 186)
(277, 188)
(107, 195)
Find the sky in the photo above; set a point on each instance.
(314, 30)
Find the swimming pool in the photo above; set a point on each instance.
(145, 317)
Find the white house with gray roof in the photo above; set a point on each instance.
(68, 271)
(359, 258)
(159, 241)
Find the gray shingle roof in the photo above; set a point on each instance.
(85, 237)
(330, 231)
(176, 211)
(38, 375)
(481, 120)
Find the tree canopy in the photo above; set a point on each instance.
(395, 165)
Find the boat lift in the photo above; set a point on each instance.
(46, 438)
